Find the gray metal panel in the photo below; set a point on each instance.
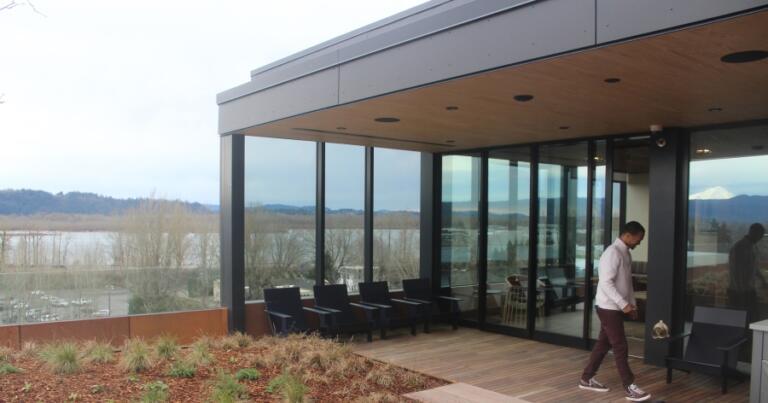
(332, 43)
(538, 30)
(308, 93)
(384, 34)
(757, 366)
(618, 19)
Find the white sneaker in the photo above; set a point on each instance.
(635, 394)
(592, 385)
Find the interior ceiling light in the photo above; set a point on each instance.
(703, 151)
(612, 80)
(523, 97)
(451, 108)
(746, 56)
(715, 109)
(387, 119)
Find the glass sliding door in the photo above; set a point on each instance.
(344, 204)
(562, 228)
(460, 229)
(727, 262)
(509, 183)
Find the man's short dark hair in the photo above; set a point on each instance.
(757, 230)
(633, 228)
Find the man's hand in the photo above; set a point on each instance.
(629, 308)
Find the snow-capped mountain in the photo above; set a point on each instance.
(714, 193)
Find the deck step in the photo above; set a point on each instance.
(461, 393)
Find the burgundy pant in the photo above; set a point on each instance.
(611, 336)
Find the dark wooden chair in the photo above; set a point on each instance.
(716, 336)
(376, 294)
(286, 313)
(333, 298)
(420, 290)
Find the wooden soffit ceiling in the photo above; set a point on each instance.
(673, 79)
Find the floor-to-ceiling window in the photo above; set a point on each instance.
(509, 183)
(344, 204)
(459, 232)
(561, 231)
(279, 215)
(396, 201)
(727, 263)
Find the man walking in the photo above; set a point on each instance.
(615, 298)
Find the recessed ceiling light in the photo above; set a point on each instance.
(745, 56)
(341, 128)
(564, 127)
(612, 80)
(451, 108)
(387, 119)
(703, 151)
(598, 158)
(523, 97)
(715, 109)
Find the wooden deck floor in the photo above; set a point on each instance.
(532, 371)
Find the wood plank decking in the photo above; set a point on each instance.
(533, 371)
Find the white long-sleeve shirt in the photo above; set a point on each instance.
(614, 288)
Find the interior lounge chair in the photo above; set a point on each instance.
(420, 290)
(376, 294)
(286, 313)
(716, 336)
(334, 299)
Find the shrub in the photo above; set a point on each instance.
(291, 387)
(226, 389)
(155, 392)
(248, 374)
(62, 358)
(5, 354)
(182, 369)
(200, 353)
(136, 356)
(166, 347)
(235, 341)
(100, 353)
(6, 368)
(29, 350)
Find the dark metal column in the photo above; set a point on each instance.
(592, 152)
(482, 240)
(429, 227)
(320, 215)
(666, 234)
(608, 216)
(368, 219)
(533, 221)
(232, 229)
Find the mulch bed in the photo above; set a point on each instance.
(104, 382)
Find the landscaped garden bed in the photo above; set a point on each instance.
(228, 369)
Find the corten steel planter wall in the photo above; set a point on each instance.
(186, 326)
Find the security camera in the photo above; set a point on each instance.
(657, 128)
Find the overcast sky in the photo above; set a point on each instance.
(118, 97)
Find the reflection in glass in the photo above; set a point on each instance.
(562, 237)
(344, 204)
(279, 215)
(459, 232)
(728, 196)
(396, 188)
(509, 182)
